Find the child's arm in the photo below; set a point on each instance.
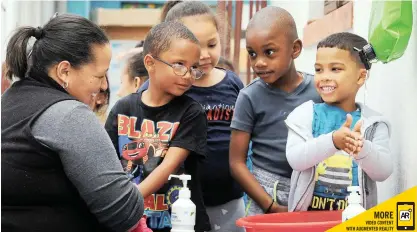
(242, 124)
(375, 156)
(303, 151)
(239, 143)
(304, 154)
(174, 157)
(191, 136)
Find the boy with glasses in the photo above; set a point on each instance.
(160, 131)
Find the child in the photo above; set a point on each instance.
(133, 76)
(101, 102)
(319, 133)
(217, 92)
(160, 131)
(272, 43)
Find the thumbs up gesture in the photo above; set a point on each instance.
(350, 141)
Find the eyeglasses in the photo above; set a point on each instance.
(181, 70)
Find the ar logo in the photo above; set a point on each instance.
(405, 215)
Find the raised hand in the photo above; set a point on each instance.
(359, 143)
(348, 140)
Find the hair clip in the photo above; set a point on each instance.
(30, 53)
(367, 55)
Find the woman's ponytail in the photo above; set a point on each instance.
(16, 57)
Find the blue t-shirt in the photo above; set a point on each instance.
(337, 172)
(218, 101)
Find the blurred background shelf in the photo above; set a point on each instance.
(128, 23)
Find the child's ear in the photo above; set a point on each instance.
(362, 76)
(296, 48)
(138, 82)
(149, 63)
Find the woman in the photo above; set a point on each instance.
(60, 171)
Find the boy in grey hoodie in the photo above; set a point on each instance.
(340, 142)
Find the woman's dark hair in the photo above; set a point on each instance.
(65, 37)
(136, 67)
(166, 7)
(191, 8)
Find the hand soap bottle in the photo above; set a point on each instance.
(183, 210)
(354, 204)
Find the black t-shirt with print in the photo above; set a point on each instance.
(218, 101)
(142, 134)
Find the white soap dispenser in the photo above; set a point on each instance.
(354, 204)
(183, 210)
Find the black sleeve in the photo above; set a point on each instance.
(192, 131)
(111, 125)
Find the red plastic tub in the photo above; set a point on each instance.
(311, 221)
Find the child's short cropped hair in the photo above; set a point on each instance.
(160, 37)
(345, 41)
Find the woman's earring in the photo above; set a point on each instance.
(65, 85)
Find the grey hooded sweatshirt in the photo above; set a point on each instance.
(304, 152)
